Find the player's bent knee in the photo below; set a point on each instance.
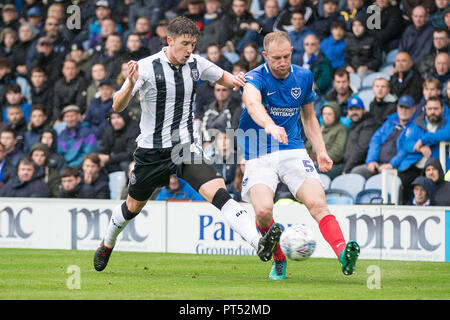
(134, 206)
(263, 211)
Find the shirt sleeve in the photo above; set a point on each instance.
(208, 70)
(256, 79)
(310, 95)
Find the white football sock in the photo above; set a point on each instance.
(115, 227)
(240, 221)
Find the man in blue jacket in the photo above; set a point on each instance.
(384, 145)
(420, 142)
(178, 189)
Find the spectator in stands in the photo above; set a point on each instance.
(214, 54)
(389, 33)
(7, 170)
(235, 24)
(13, 150)
(423, 192)
(7, 77)
(35, 17)
(446, 95)
(362, 52)
(178, 189)
(442, 69)
(102, 11)
(72, 186)
(361, 130)
(284, 21)
(334, 46)
(108, 27)
(212, 28)
(224, 112)
(195, 12)
(144, 30)
(118, 142)
(236, 187)
(205, 96)
(135, 49)
(265, 25)
(384, 103)
(405, 79)
(8, 40)
(322, 24)
(110, 56)
(15, 98)
(17, 123)
(385, 142)
(431, 88)
(447, 18)
(99, 108)
(334, 135)
(45, 58)
(159, 40)
(38, 122)
(437, 18)
(98, 72)
(314, 60)
(27, 184)
(27, 34)
(40, 154)
(441, 43)
(76, 140)
(298, 34)
(417, 37)
(70, 89)
(9, 17)
(433, 171)
(422, 142)
(341, 91)
(149, 8)
(41, 91)
(81, 57)
(354, 9)
(213, 10)
(251, 55)
(50, 138)
(96, 176)
(52, 30)
(409, 5)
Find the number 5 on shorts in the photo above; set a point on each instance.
(308, 166)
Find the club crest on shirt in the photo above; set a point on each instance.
(244, 182)
(132, 178)
(195, 74)
(296, 92)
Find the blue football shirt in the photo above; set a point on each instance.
(283, 99)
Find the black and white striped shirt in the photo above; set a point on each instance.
(167, 94)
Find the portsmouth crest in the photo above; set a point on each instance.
(296, 92)
(244, 182)
(195, 74)
(132, 178)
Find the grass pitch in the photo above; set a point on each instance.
(43, 274)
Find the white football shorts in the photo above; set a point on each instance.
(291, 167)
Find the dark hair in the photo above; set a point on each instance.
(134, 34)
(436, 98)
(182, 25)
(341, 72)
(70, 172)
(14, 87)
(4, 63)
(38, 69)
(298, 10)
(39, 107)
(7, 129)
(26, 161)
(338, 24)
(93, 157)
(213, 44)
(440, 30)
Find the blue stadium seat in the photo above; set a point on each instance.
(386, 69)
(325, 180)
(337, 196)
(390, 57)
(367, 82)
(117, 181)
(370, 196)
(375, 182)
(351, 182)
(355, 81)
(366, 96)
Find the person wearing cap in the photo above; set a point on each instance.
(322, 23)
(421, 141)
(334, 135)
(433, 171)
(362, 127)
(69, 89)
(9, 18)
(80, 56)
(35, 17)
(417, 39)
(76, 140)
(423, 190)
(118, 141)
(385, 142)
(97, 112)
(362, 51)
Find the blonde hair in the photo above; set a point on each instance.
(275, 36)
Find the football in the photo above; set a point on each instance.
(297, 242)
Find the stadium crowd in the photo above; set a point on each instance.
(381, 81)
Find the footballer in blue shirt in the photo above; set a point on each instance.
(276, 95)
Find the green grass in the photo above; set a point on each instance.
(42, 274)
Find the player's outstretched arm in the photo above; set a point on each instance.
(122, 97)
(314, 134)
(232, 81)
(253, 102)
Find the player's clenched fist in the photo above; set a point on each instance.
(133, 72)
